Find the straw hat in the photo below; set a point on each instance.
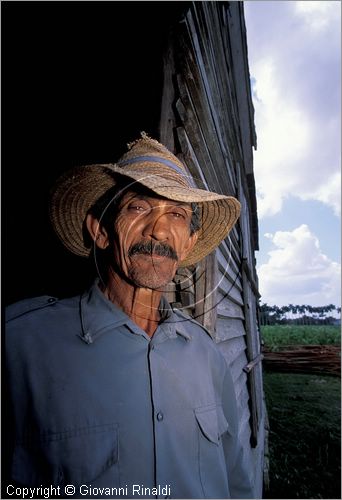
(153, 165)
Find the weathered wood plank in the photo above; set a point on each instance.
(226, 309)
(233, 279)
(195, 89)
(205, 305)
(229, 329)
(216, 66)
(228, 289)
(170, 292)
(231, 254)
(243, 90)
(210, 58)
(189, 113)
(194, 132)
(241, 384)
(249, 275)
(185, 288)
(210, 312)
(167, 116)
(227, 269)
(233, 347)
(238, 365)
(190, 159)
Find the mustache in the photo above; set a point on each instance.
(150, 248)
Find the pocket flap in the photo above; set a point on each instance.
(74, 456)
(212, 422)
(223, 425)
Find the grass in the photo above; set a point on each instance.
(304, 414)
(304, 440)
(279, 335)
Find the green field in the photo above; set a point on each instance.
(279, 335)
(304, 416)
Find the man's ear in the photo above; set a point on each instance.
(188, 246)
(97, 232)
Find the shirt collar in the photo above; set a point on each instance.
(171, 323)
(99, 314)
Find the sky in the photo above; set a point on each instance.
(294, 50)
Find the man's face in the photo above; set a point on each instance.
(151, 238)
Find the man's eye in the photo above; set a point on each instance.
(136, 208)
(178, 215)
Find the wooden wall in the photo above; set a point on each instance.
(207, 120)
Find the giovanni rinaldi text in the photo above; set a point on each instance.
(134, 490)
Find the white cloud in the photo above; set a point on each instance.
(317, 14)
(294, 57)
(298, 272)
(328, 193)
(283, 140)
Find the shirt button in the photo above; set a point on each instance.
(51, 299)
(152, 347)
(160, 416)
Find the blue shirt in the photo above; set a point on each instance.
(99, 404)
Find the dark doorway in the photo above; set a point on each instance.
(80, 80)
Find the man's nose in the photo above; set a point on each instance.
(156, 226)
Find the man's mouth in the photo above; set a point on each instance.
(152, 249)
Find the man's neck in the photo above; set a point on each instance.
(140, 304)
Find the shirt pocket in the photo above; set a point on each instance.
(212, 424)
(75, 456)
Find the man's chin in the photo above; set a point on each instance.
(153, 274)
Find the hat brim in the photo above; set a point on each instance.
(78, 190)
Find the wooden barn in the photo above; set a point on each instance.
(179, 71)
(207, 119)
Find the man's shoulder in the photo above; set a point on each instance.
(192, 325)
(32, 305)
(201, 339)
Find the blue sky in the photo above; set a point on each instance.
(294, 53)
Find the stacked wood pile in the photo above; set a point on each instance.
(320, 359)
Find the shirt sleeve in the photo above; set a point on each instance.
(7, 439)
(238, 470)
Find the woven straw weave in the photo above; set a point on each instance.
(78, 189)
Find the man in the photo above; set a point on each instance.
(113, 393)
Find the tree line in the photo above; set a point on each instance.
(299, 314)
